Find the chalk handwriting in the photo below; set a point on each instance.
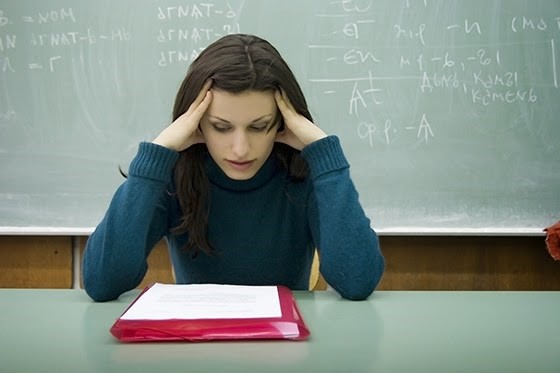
(508, 79)
(383, 132)
(446, 61)
(468, 27)
(351, 6)
(194, 34)
(175, 56)
(51, 16)
(482, 73)
(50, 64)
(357, 56)
(485, 97)
(352, 30)
(71, 38)
(424, 129)
(410, 33)
(195, 11)
(377, 63)
(3, 19)
(523, 23)
(7, 42)
(7, 65)
(181, 45)
(362, 98)
(7, 115)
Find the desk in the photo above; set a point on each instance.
(64, 331)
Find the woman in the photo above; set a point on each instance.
(242, 185)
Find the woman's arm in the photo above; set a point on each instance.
(115, 256)
(350, 258)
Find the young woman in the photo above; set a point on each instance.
(243, 186)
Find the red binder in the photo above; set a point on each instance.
(290, 326)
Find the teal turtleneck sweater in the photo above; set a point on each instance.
(264, 230)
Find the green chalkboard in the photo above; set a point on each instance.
(449, 111)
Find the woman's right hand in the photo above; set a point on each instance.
(184, 131)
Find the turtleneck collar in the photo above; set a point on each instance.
(219, 178)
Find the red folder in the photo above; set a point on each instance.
(289, 326)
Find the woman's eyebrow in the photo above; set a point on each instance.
(267, 116)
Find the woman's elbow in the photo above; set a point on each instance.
(363, 286)
(99, 292)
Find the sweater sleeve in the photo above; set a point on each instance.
(115, 258)
(350, 257)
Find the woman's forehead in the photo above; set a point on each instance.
(241, 107)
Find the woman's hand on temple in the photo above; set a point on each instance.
(184, 131)
(299, 131)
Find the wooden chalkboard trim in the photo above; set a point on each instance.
(404, 231)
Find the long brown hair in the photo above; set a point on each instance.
(235, 63)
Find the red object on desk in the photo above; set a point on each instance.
(289, 326)
(553, 240)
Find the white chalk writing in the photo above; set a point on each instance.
(464, 66)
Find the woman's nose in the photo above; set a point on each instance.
(240, 145)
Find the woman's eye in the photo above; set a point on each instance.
(221, 128)
(259, 127)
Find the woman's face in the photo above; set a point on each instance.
(236, 129)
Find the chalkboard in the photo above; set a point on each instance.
(449, 111)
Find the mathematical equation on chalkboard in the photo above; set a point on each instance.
(87, 35)
(361, 54)
(472, 66)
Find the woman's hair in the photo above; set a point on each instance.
(235, 63)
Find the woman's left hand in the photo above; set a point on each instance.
(298, 130)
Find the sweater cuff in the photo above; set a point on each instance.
(153, 162)
(324, 156)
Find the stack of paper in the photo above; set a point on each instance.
(208, 312)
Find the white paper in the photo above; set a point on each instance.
(208, 301)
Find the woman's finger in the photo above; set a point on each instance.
(288, 102)
(202, 107)
(200, 97)
(282, 105)
(279, 101)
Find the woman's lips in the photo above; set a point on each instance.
(240, 165)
